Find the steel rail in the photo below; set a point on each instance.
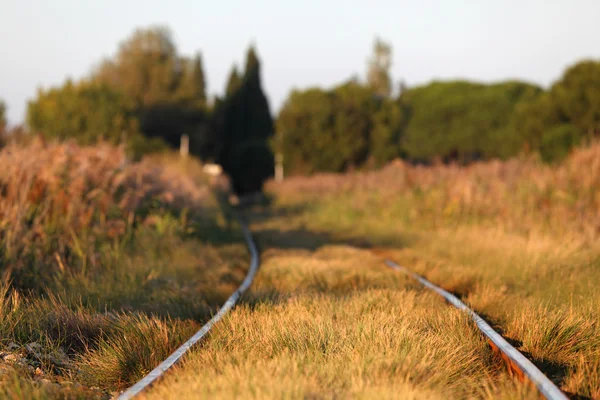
(517, 360)
(159, 371)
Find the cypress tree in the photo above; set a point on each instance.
(199, 80)
(244, 126)
(234, 82)
(251, 60)
(256, 106)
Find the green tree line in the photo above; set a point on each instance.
(360, 125)
(148, 95)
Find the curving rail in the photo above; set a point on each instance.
(514, 358)
(517, 361)
(159, 371)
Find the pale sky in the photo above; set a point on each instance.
(301, 43)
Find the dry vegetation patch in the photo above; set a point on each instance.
(336, 323)
(107, 266)
(58, 202)
(517, 240)
(516, 195)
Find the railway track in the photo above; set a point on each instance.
(517, 362)
(178, 354)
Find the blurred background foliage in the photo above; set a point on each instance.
(358, 125)
(148, 94)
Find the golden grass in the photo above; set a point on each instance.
(107, 266)
(58, 201)
(542, 296)
(517, 240)
(517, 195)
(336, 323)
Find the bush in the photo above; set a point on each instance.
(558, 142)
(61, 204)
(138, 146)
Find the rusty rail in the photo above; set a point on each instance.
(516, 361)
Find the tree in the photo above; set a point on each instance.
(354, 105)
(566, 115)
(85, 111)
(252, 162)
(166, 91)
(577, 97)
(463, 121)
(384, 140)
(192, 87)
(252, 62)
(558, 141)
(242, 126)
(378, 75)
(234, 82)
(199, 81)
(305, 121)
(532, 119)
(146, 68)
(348, 126)
(256, 112)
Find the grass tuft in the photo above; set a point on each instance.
(137, 344)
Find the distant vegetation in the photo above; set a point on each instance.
(149, 94)
(462, 121)
(360, 125)
(334, 130)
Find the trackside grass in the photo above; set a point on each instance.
(107, 266)
(94, 301)
(336, 323)
(515, 240)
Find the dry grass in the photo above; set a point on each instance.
(57, 202)
(135, 256)
(336, 323)
(517, 240)
(107, 266)
(517, 195)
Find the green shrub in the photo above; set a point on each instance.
(139, 145)
(558, 142)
